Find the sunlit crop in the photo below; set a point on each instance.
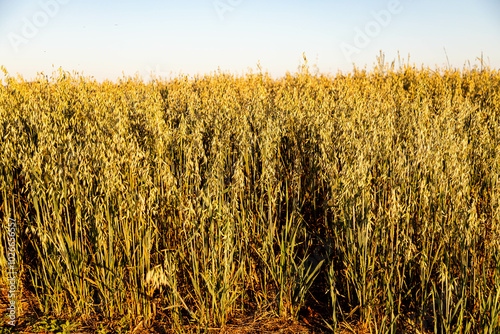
(371, 198)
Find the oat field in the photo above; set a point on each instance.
(361, 202)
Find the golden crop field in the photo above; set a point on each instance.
(365, 202)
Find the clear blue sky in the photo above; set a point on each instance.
(106, 38)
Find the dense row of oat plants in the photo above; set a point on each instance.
(370, 199)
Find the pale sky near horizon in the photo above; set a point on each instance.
(109, 38)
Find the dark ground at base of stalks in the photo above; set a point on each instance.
(309, 322)
(312, 319)
(243, 327)
(314, 316)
